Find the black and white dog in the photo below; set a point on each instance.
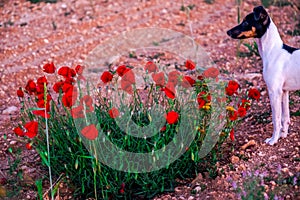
(281, 66)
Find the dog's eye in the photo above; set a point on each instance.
(245, 23)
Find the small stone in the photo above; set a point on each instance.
(248, 144)
(272, 183)
(285, 170)
(64, 6)
(191, 198)
(10, 110)
(234, 159)
(197, 189)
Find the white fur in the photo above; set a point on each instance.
(281, 72)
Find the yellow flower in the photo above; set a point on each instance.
(207, 106)
(230, 108)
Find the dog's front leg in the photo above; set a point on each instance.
(285, 118)
(275, 100)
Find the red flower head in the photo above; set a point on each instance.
(170, 90)
(31, 129)
(203, 98)
(41, 113)
(187, 82)
(114, 113)
(159, 78)
(121, 70)
(77, 112)
(233, 115)
(245, 103)
(190, 65)
(18, 130)
(30, 86)
(254, 94)
(58, 86)
(211, 72)
(66, 72)
(172, 117)
(41, 81)
(106, 77)
(231, 134)
(150, 67)
(126, 86)
(173, 77)
(49, 68)
(90, 132)
(232, 88)
(79, 69)
(28, 146)
(88, 101)
(20, 93)
(129, 76)
(242, 112)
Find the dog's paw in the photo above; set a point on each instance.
(271, 141)
(283, 134)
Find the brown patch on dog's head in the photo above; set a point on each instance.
(248, 34)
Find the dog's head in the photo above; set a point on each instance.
(254, 25)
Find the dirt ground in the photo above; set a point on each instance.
(65, 32)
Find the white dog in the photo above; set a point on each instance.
(281, 66)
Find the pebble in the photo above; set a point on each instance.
(197, 189)
(191, 198)
(234, 159)
(10, 110)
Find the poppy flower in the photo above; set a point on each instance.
(41, 81)
(30, 86)
(77, 112)
(90, 132)
(129, 76)
(113, 113)
(211, 72)
(19, 131)
(66, 72)
(254, 94)
(173, 77)
(88, 101)
(121, 70)
(187, 82)
(245, 103)
(79, 69)
(126, 86)
(66, 87)
(41, 113)
(28, 146)
(233, 115)
(203, 98)
(159, 78)
(163, 129)
(106, 77)
(32, 129)
(20, 93)
(232, 87)
(172, 117)
(122, 188)
(169, 90)
(231, 134)
(49, 68)
(190, 65)
(69, 98)
(150, 67)
(242, 112)
(58, 86)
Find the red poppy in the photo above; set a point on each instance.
(41, 113)
(28, 146)
(79, 69)
(30, 86)
(231, 134)
(90, 132)
(245, 103)
(163, 129)
(106, 77)
(150, 67)
(254, 94)
(232, 87)
(126, 86)
(203, 98)
(169, 90)
(121, 70)
(211, 72)
(233, 115)
(172, 117)
(129, 76)
(19, 131)
(69, 98)
(122, 189)
(173, 77)
(88, 101)
(242, 112)
(77, 112)
(32, 129)
(20, 93)
(159, 78)
(187, 82)
(41, 81)
(113, 113)
(49, 68)
(190, 65)
(66, 87)
(66, 72)
(58, 86)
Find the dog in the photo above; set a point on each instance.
(281, 66)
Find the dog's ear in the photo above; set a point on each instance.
(260, 14)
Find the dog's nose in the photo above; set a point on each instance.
(229, 33)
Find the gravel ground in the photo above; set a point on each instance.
(66, 31)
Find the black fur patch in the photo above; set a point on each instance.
(289, 49)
